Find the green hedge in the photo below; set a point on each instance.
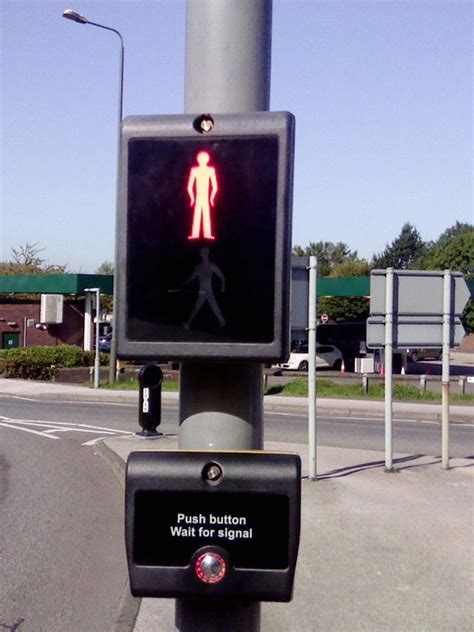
(40, 363)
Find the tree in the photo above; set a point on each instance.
(26, 259)
(107, 302)
(351, 308)
(403, 250)
(454, 250)
(328, 253)
(106, 267)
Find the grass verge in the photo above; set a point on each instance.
(132, 385)
(401, 392)
(326, 388)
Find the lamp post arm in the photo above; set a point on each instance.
(122, 54)
(107, 28)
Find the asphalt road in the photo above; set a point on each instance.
(62, 561)
(410, 435)
(61, 539)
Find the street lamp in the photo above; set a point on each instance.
(69, 14)
(96, 291)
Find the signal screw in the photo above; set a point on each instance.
(212, 472)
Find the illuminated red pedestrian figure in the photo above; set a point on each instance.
(202, 189)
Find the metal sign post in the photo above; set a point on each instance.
(445, 370)
(96, 291)
(416, 308)
(388, 362)
(312, 318)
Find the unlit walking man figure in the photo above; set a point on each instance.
(202, 189)
(204, 272)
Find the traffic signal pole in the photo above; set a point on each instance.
(228, 46)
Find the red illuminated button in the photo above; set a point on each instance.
(210, 567)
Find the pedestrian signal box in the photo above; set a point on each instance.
(204, 236)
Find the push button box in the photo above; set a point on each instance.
(212, 524)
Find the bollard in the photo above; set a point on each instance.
(150, 378)
(365, 383)
(462, 384)
(423, 382)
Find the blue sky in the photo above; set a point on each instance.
(381, 91)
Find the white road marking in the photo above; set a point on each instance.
(274, 412)
(75, 402)
(28, 422)
(52, 427)
(36, 432)
(66, 424)
(91, 442)
(98, 403)
(78, 430)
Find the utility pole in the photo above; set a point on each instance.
(228, 46)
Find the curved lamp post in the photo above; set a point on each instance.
(69, 14)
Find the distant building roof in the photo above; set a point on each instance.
(55, 283)
(344, 286)
(77, 283)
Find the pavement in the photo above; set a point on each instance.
(379, 551)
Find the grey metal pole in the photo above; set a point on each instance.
(388, 362)
(228, 55)
(97, 335)
(96, 291)
(312, 317)
(228, 46)
(113, 343)
(445, 370)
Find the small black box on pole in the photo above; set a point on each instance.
(150, 379)
(204, 236)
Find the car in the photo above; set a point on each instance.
(327, 356)
(105, 342)
(435, 353)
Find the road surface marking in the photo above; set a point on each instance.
(91, 442)
(51, 427)
(89, 403)
(53, 430)
(66, 424)
(36, 432)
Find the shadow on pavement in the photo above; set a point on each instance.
(353, 469)
(361, 467)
